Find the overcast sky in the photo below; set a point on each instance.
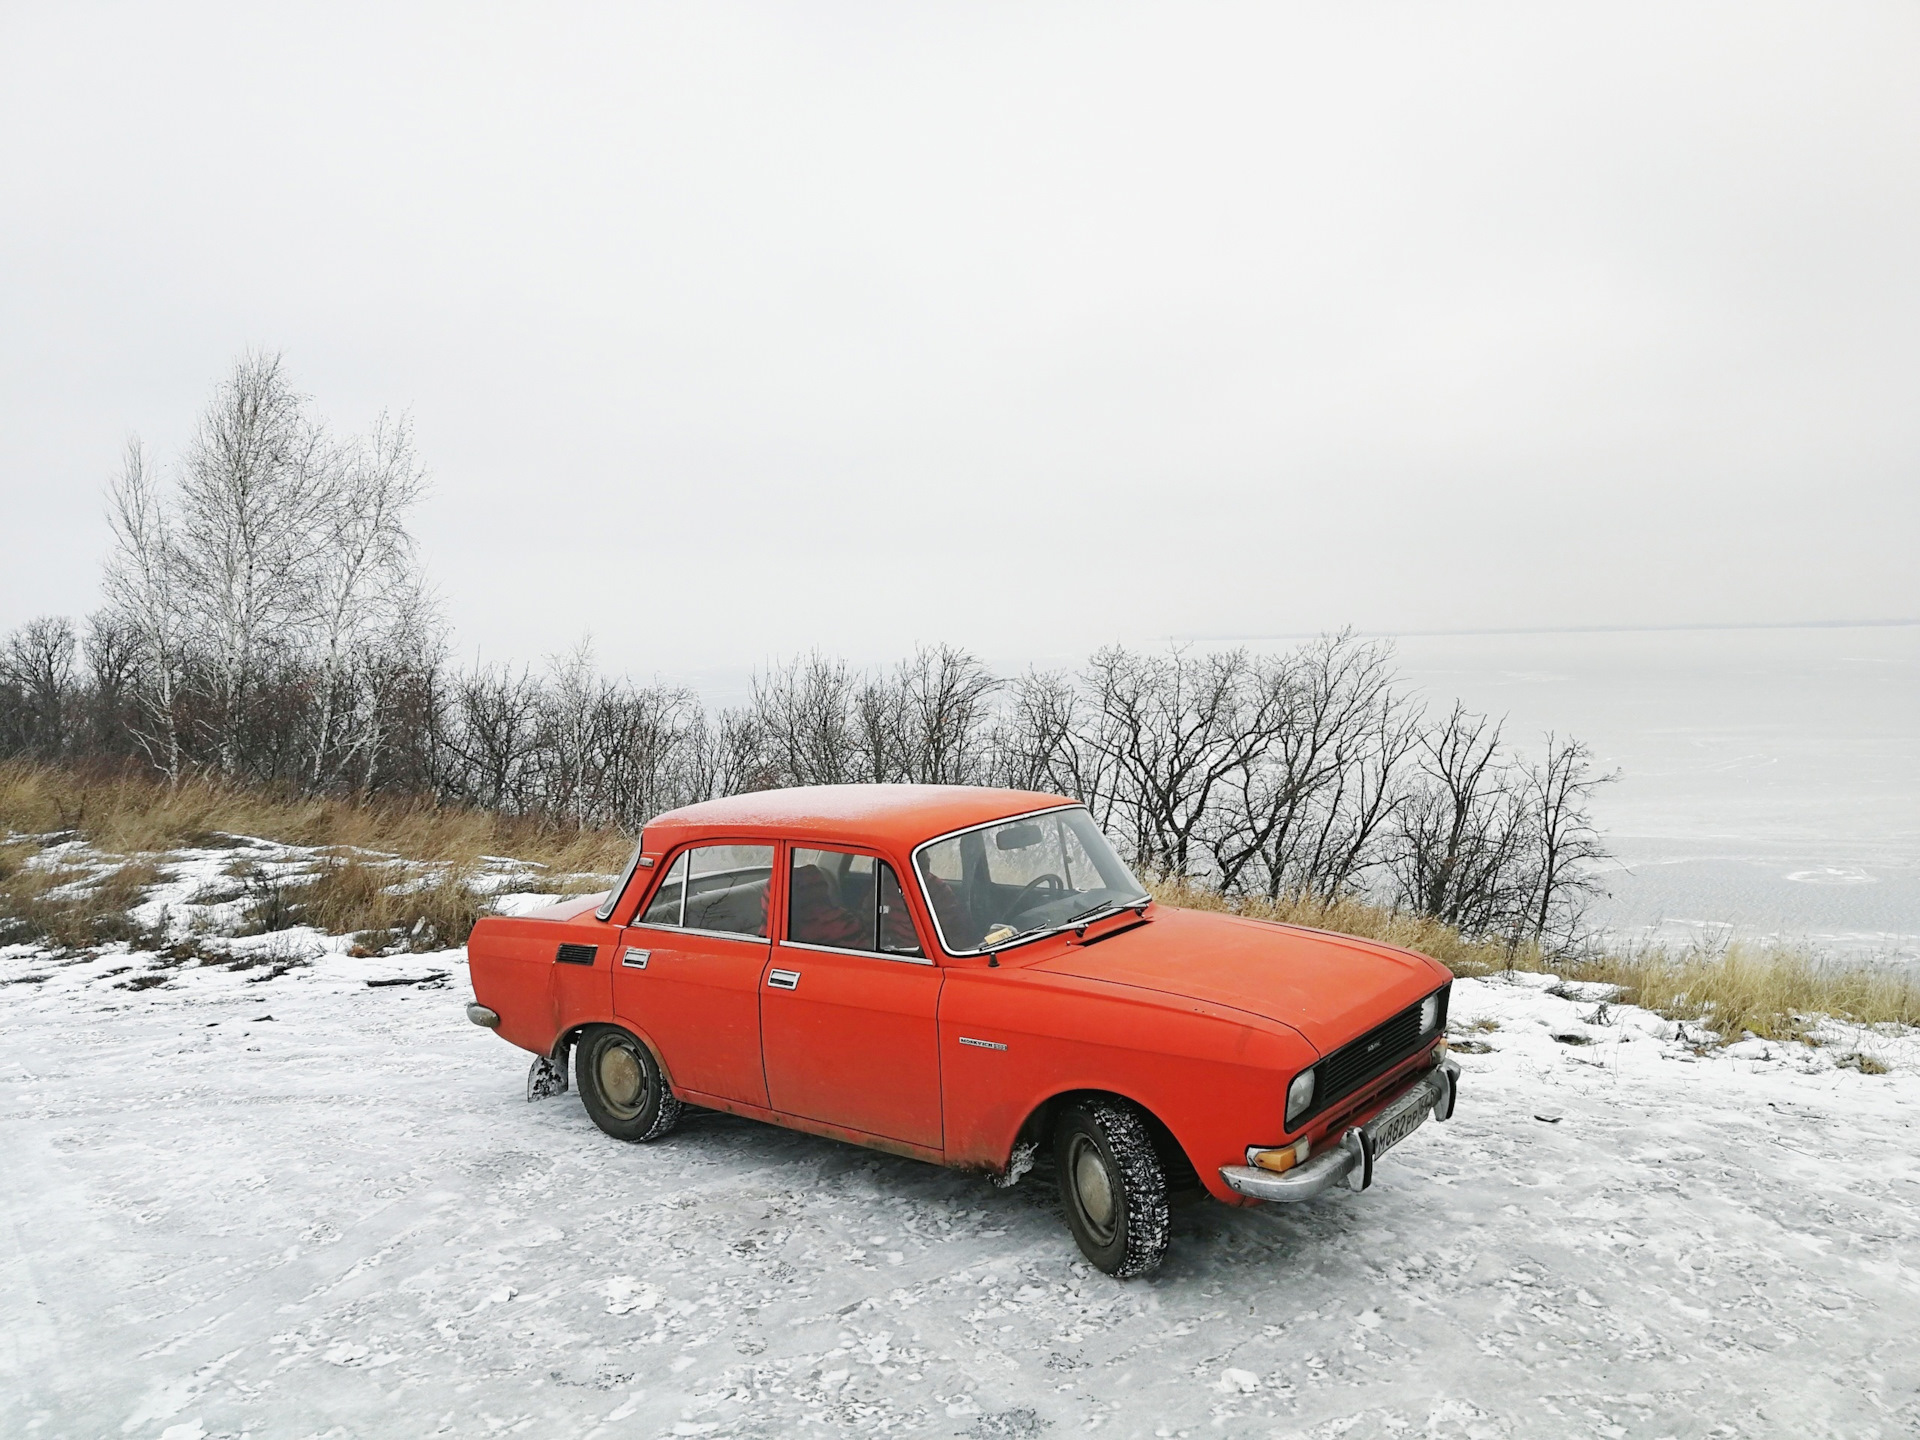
(730, 330)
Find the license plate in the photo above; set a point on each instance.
(1400, 1120)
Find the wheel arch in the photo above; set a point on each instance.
(563, 1043)
(1037, 1130)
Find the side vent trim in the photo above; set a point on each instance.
(577, 954)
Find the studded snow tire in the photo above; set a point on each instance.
(1112, 1185)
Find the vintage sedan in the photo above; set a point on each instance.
(973, 978)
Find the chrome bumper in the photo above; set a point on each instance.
(481, 1015)
(1351, 1160)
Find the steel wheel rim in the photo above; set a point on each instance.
(623, 1080)
(1092, 1188)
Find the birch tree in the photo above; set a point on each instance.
(145, 589)
(256, 481)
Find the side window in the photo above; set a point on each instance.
(727, 888)
(667, 900)
(721, 888)
(848, 901)
(896, 922)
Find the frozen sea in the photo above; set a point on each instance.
(1769, 780)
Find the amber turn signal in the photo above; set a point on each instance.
(1281, 1160)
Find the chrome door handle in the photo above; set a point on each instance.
(783, 979)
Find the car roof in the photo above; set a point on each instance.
(896, 817)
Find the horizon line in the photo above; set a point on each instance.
(1573, 629)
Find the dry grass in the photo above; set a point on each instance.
(1776, 993)
(90, 912)
(126, 811)
(383, 904)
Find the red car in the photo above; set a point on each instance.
(967, 976)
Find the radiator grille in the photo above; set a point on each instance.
(577, 954)
(1372, 1055)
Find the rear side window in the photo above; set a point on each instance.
(717, 888)
(848, 901)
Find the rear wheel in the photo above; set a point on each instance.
(621, 1085)
(1112, 1185)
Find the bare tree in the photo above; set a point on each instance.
(495, 736)
(365, 594)
(804, 714)
(251, 495)
(943, 698)
(1462, 836)
(112, 655)
(1172, 730)
(1302, 816)
(145, 588)
(1566, 846)
(727, 754)
(387, 676)
(37, 660)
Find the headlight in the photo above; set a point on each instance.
(1299, 1096)
(1429, 1012)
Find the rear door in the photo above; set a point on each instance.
(848, 1010)
(689, 969)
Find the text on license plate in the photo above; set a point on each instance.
(1398, 1122)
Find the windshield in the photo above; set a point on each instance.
(989, 885)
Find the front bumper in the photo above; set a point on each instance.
(1350, 1161)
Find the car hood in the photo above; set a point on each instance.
(1330, 988)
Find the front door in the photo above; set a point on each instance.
(848, 1007)
(689, 969)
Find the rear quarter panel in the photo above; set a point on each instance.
(515, 974)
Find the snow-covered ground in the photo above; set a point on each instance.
(311, 1205)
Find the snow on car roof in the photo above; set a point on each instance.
(901, 815)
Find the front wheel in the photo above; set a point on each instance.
(621, 1085)
(1112, 1185)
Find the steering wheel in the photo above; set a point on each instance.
(1026, 900)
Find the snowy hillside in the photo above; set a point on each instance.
(310, 1199)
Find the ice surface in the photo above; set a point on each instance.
(345, 1220)
(1769, 779)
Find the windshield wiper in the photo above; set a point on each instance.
(1080, 921)
(1107, 907)
(1030, 932)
